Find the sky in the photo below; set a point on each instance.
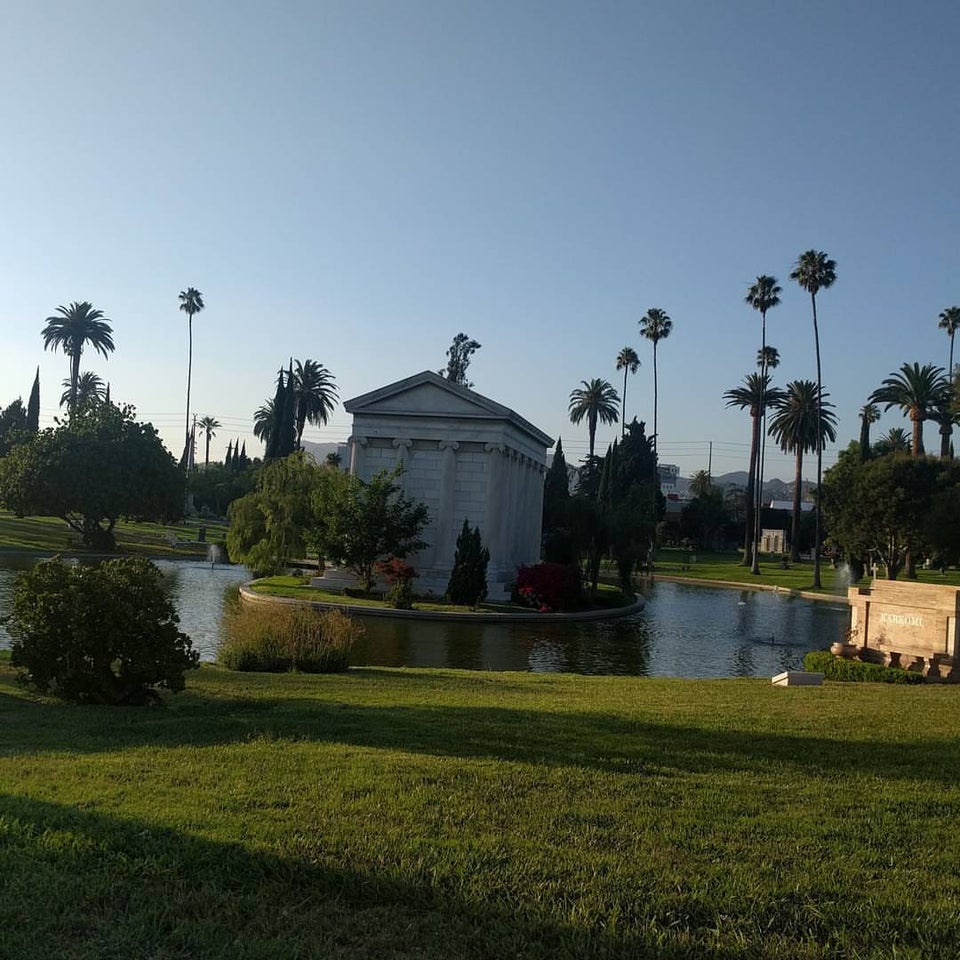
(357, 182)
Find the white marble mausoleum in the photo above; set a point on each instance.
(464, 456)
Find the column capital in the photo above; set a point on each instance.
(494, 448)
(453, 445)
(403, 442)
(362, 441)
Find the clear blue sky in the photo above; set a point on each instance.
(356, 182)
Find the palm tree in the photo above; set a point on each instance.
(918, 391)
(209, 425)
(628, 362)
(894, 441)
(191, 302)
(90, 389)
(264, 420)
(596, 400)
(77, 325)
(315, 394)
(655, 326)
(768, 358)
(869, 414)
(755, 395)
(950, 321)
(815, 271)
(795, 427)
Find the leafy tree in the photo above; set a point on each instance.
(468, 579)
(107, 634)
(89, 389)
(209, 426)
(98, 467)
(216, 487)
(815, 271)
(869, 414)
(941, 531)
(269, 526)
(704, 515)
(13, 426)
(597, 401)
(628, 362)
(918, 391)
(314, 395)
(655, 326)
(950, 322)
(755, 395)
(191, 303)
(880, 507)
(33, 406)
(796, 428)
(458, 359)
(78, 325)
(357, 523)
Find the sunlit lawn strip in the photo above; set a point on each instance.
(416, 813)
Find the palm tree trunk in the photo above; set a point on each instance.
(189, 371)
(623, 408)
(755, 566)
(917, 445)
(795, 519)
(206, 454)
(74, 377)
(655, 428)
(946, 432)
(749, 499)
(816, 508)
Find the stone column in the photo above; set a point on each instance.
(493, 508)
(536, 514)
(402, 446)
(357, 445)
(443, 553)
(508, 520)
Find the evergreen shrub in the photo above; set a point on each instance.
(839, 668)
(468, 579)
(275, 638)
(104, 634)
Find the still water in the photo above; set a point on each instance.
(683, 631)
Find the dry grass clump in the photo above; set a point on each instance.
(276, 638)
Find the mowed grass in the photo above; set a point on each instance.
(698, 565)
(438, 814)
(53, 535)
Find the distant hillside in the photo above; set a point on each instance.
(773, 489)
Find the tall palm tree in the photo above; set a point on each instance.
(655, 326)
(628, 362)
(869, 414)
(90, 389)
(78, 324)
(947, 415)
(209, 425)
(950, 321)
(917, 391)
(815, 271)
(315, 394)
(596, 400)
(801, 424)
(755, 395)
(191, 302)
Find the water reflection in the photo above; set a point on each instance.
(684, 631)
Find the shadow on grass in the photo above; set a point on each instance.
(76, 884)
(588, 740)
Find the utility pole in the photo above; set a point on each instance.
(710, 461)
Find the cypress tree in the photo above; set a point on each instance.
(228, 460)
(468, 579)
(244, 461)
(33, 406)
(279, 399)
(235, 462)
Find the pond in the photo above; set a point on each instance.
(684, 631)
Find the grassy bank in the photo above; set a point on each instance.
(294, 588)
(53, 535)
(436, 814)
(698, 565)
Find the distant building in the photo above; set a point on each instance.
(669, 474)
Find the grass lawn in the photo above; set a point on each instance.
(295, 589)
(438, 814)
(726, 566)
(52, 535)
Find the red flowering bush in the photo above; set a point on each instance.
(399, 577)
(548, 586)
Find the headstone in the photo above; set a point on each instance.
(798, 678)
